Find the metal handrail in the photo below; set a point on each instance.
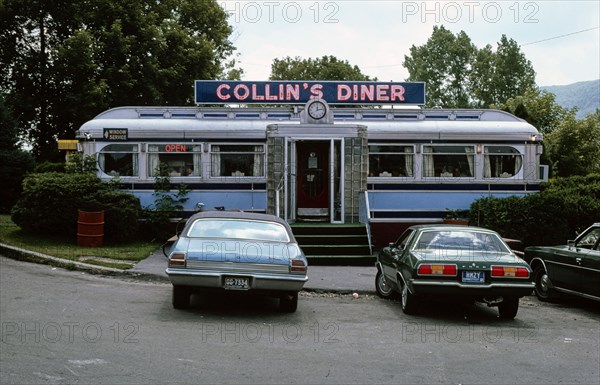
(364, 216)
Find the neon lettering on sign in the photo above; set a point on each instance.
(297, 92)
(175, 148)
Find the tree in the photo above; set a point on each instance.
(14, 161)
(537, 107)
(325, 68)
(574, 146)
(444, 63)
(62, 62)
(512, 73)
(459, 75)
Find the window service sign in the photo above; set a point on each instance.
(300, 92)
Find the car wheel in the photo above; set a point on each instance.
(542, 287)
(181, 297)
(384, 290)
(508, 308)
(289, 302)
(409, 302)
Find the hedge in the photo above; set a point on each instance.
(50, 202)
(562, 208)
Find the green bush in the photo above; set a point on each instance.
(50, 167)
(50, 203)
(563, 207)
(14, 165)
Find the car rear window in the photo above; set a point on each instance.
(460, 240)
(238, 229)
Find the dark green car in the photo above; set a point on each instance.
(573, 268)
(463, 262)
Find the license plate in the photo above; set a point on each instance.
(237, 283)
(473, 277)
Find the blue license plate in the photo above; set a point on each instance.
(473, 277)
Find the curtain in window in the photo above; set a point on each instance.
(428, 166)
(258, 161)
(408, 162)
(487, 167)
(197, 161)
(102, 162)
(153, 162)
(215, 161)
(518, 164)
(134, 161)
(469, 151)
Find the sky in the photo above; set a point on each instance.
(560, 38)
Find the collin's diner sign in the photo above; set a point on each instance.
(300, 92)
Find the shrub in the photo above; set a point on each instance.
(14, 165)
(50, 202)
(563, 207)
(49, 167)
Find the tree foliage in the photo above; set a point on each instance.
(62, 62)
(459, 75)
(574, 147)
(538, 107)
(444, 64)
(563, 207)
(14, 162)
(50, 203)
(324, 68)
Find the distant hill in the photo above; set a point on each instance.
(584, 95)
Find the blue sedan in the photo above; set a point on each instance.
(237, 251)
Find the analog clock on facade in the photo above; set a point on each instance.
(317, 109)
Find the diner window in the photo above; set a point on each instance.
(501, 162)
(119, 160)
(448, 161)
(391, 161)
(180, 159)
(237, 160)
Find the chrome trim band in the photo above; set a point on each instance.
(529, 285)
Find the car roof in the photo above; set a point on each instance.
(242, 215)
(439, 227)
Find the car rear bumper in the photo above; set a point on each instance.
(216, 280)
(521, 289)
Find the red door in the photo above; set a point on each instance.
(313, 178)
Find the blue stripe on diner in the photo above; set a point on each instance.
(431, 200)
(199, 186)
(246, 200)
(451, 187)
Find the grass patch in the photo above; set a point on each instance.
(67, 248)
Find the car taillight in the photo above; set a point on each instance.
(427, 269)
(297, 266)
(510, 272)
(177, 260)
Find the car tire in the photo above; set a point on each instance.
(181, 297)
(288, 303)
(383, 289)
(508, 308)
(542, 289)
(408, 300)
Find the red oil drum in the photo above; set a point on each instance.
(90, 228)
